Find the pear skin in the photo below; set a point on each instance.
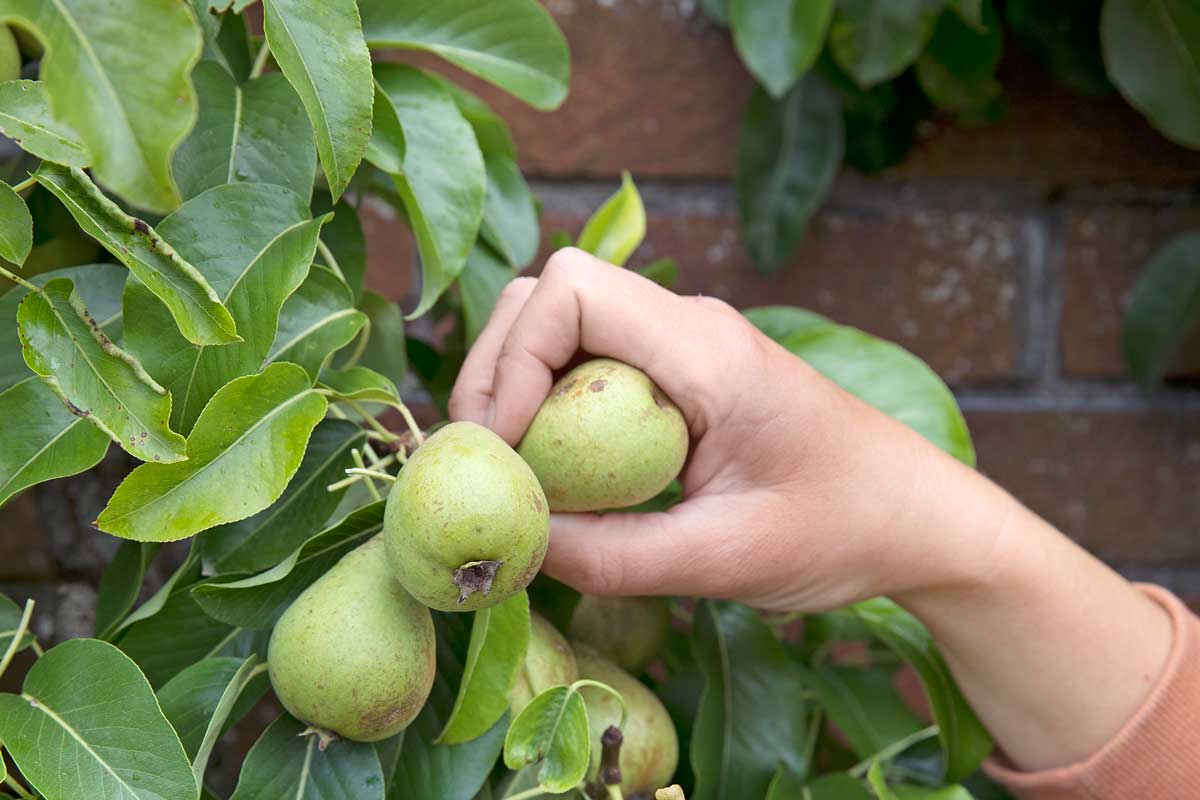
(354, 655)
(606, 437)
(549, 661)
(630, 631)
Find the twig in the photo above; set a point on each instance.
(413, 427)
(18, 635)
(360, 345)
(893, 749)
(19, 280)
(358, 460)
(374, 423)
(330, 261)
(25, 184)
(260, 60)
(15, 785)
(370, 473)
(577, 685)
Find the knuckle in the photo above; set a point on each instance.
(718, 305)
(517, 289)
(564, 263)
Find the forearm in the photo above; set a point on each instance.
(1054, 650)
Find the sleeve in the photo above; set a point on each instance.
(1156, 755)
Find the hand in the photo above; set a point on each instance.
(798, 496)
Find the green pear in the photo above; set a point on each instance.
(466, 523)
(549, 661)
(630, 631)
(650, 751)
(354, 655)
(606, 437)
(10, 55)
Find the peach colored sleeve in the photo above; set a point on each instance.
(1156, 756)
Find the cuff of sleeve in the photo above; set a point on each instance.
(1153, 755)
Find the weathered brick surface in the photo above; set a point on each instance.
(944, 285)
(658, 90)
(24, 552)
(1104, 252)
(391, 249)
(1122, 484)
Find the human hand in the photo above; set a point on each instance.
(797, 495)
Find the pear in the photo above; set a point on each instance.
(354, 655)
(650, 751)
(549, 661)
(606, 437)
(631, 631)
(466, 523)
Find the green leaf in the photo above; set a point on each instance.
(285, 763)
(255, 428)
(957, 71)
(779, 40)
(191, 698)
(511, 43)
(385, 350)
(184, 574)
(26, 119)
(387, 146)
(552, 732)
(428, 771)
(788, 155)
(864, 706)
(99, 381)
(16, 226)
(259, 601)
(786, 786)
(499, 638)
(752, 714)
(838, 786)
(193, 304)
(130, 105)
(880, 122)
(480, 284)
(922, 793)
(1065, 36)
(318, 44)
(176, 637)
(963, 737)
(878, 783)
(444, 181)
(510, 215)
(1152, 50)
(263, 540)
(85, 704)
(316, 320)
(10, 620)
(616, 229)
(361, 384)
(876, 40)
(664, 272)
(343, 235)
(780, 322)
(247, 672)
(121, 584)
(263, 256)
(1163, 307)
(491, 131)
(226, 40)
(890, 378)
(255, 132)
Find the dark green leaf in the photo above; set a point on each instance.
(63, 343)
(779, 40)
(480, 284)
(179, 635)
(838, 786)
(268, 537)
(924, 793)
(444, 181)
(491, 130)
(957, 71)
(878, 783)
(511, 43)
(87, 705)
(255, 428)
(10, 620)
(318, 319)
(224, 710)
(551, 732)
(121, 584)
(780, 322)
(343, 235)
(16, 226)
(193, 304)
(1065, 36)
(499, 638)
(616, 229)
(880, 122)
(875, 40)
(229, 44)
(1163, 308)
(263, 256)
(786, 786)
(26, 119)
(864, 706)
(285, 763)
(385, 351)
(1152, 50)
(428, 771)
(963, 738)
(717, 10)
(510, 216)
(255, 132)
(259, 601)
(130, 105)
(185, 573)
(318, 44)
(890, 378)
(788, 155)
(752, 717)
(386, 147)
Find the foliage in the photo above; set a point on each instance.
(224, 339)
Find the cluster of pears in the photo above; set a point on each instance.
(466, 527)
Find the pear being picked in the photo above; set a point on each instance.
(466, 523)
(354, 655)
(631, 631)
(606, 437)
(549, 661)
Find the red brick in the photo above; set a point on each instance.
(1104, 251)
(944, 285)
(391, 249)
(659, 90)
(23, 548)
(1121, 484)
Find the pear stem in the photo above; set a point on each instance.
(18, 635)
(358, 461)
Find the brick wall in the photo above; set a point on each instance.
(1001, 256)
